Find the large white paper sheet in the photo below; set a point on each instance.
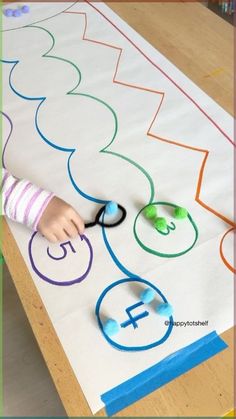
(164, 141)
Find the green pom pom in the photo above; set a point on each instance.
(160, 223)
(150, 211)
(180, 213)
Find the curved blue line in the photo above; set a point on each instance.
(50, 143)
(15, 91)
(8, 138)
(71, 151)
(57, 147)
(8, 61)
(86, 196)
(114, 258)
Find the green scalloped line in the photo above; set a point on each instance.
(45, 55)
(152, 189)
(71, 92)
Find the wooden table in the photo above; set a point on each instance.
(200, 44)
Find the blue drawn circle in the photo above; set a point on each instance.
(132, 348)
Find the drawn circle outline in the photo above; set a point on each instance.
(132, 348)
(155, 252)
(62, 283)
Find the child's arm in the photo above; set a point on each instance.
(39, 209)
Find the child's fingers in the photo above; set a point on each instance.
(50, 237)
(60, 221)
(71, 230)
(78, 222)
(61, 234)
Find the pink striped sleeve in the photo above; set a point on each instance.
(22, 201)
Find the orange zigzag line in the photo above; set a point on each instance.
(206, 152)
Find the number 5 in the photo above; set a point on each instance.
(63, 246)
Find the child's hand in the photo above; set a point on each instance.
(60, 221)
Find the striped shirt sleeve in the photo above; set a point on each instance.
(22, 201)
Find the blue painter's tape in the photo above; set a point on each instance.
(159, 374)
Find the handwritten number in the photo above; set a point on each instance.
(63, 246)
(169, 227)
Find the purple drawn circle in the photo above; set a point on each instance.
(63, 283)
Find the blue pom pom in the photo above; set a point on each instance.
(147, 295)
(17, 13)
(164, 309)
(8, 12)
(111, 327)
(25, 8)
(111, 208)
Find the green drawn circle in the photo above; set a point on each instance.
(155, 252)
